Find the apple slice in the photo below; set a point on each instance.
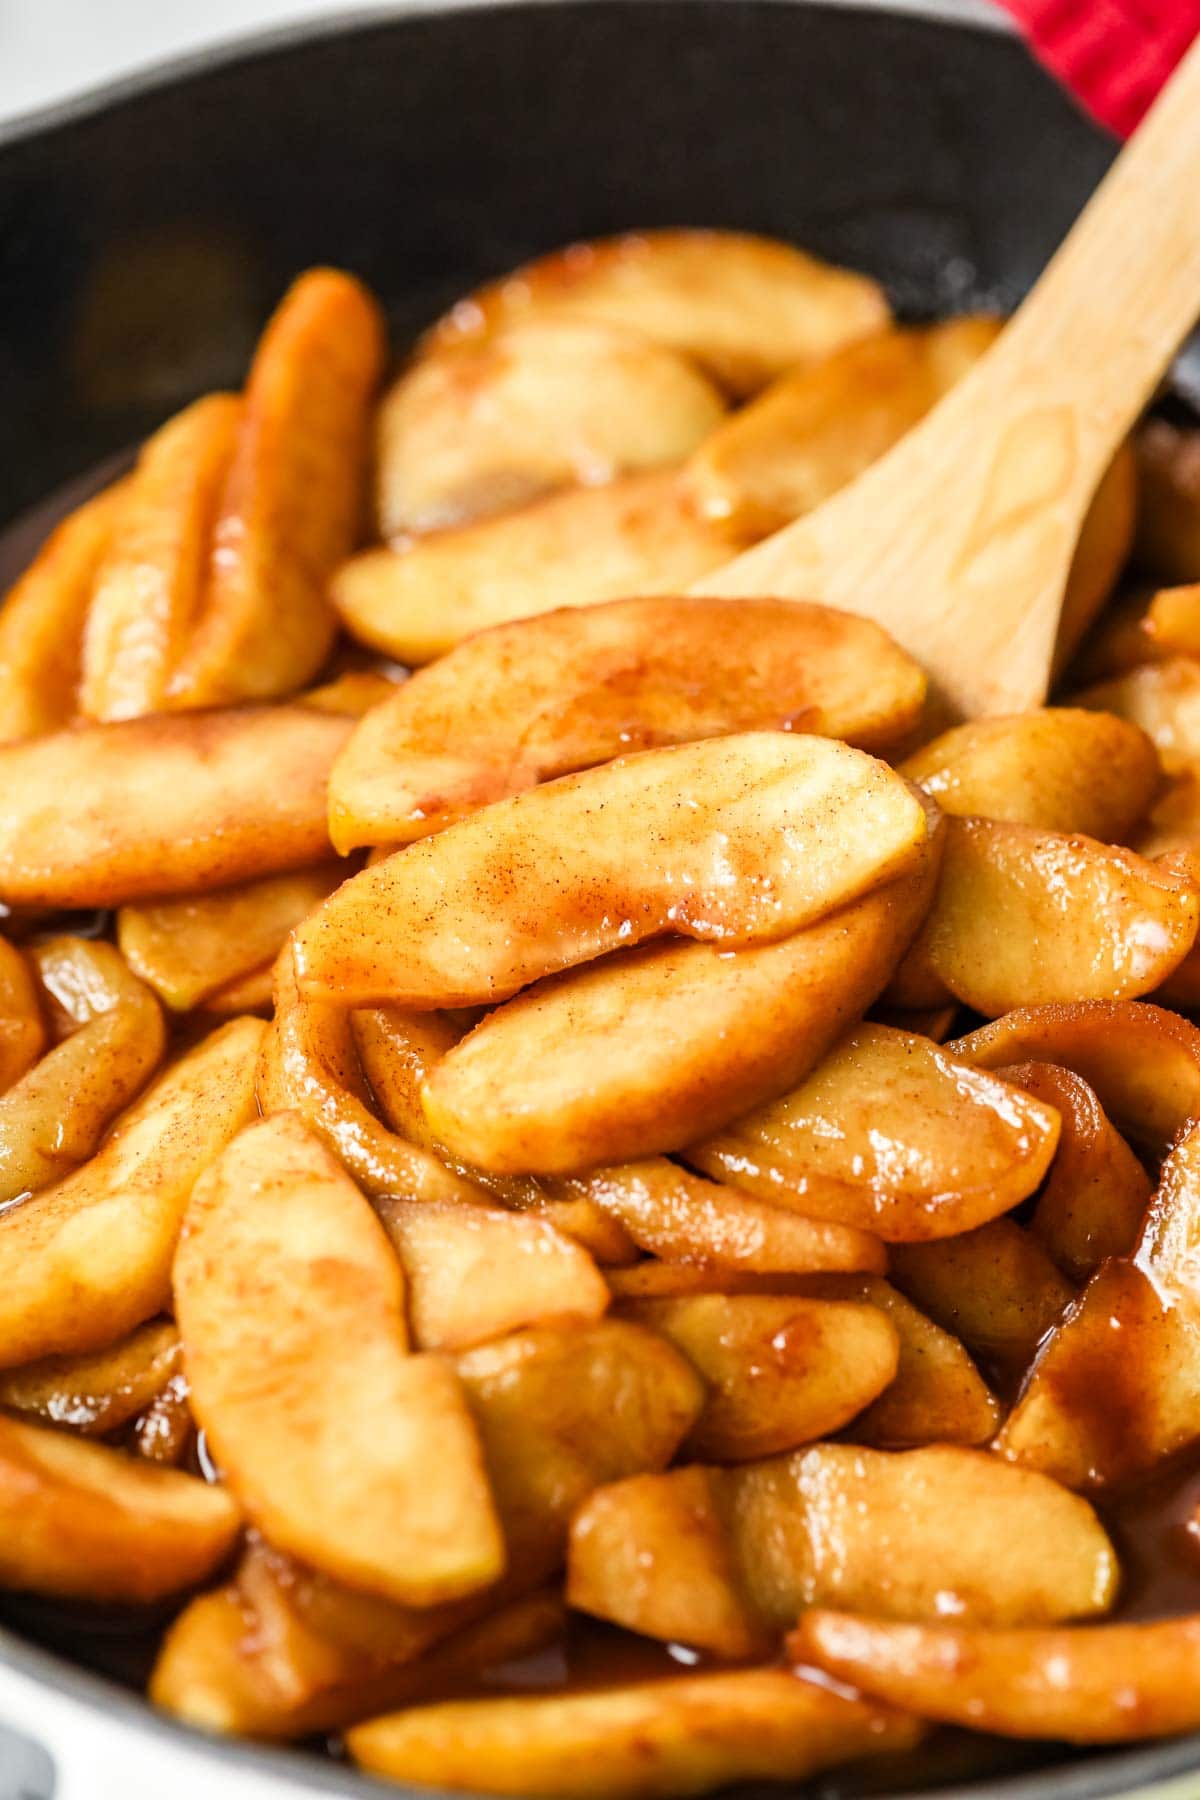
(148, 587)
(189, 948)
(746, 308)
(891, 1135)
(374, 1471)
(780, 1371)
(599, 681)
(1093, 1684)
(1162, 699)
(309, 1066)
(1095, 1197)
(87, 1522)
(54, 1118)
(1143, 1062)
(22, 1028)
(823, 423)
(43, 616)
(686, 1735)
(292, 503)
(161, 805)
(1029, 917)
(647, 1051)
(476, 1272)
(736, 840)
(1058, 768)
(725, 1559)
(636, 535)
(85, 1261)
(97, 1393)
(540, 405)
(996, 1288)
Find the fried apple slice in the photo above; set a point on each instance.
(160, 806)
(354, 692)
(1094, 1684)
(148, 587)
(746, 308)
(42, 620)
(789, 828)
(1097, 1192)
(476, 1272)
(85, 1261)
(1115, 1389)
(1168, 537)
(207, 1675)
(1029, 917)
(686, 1735)
(250, 993)
(724, 1559)
(1162, 699)
(643, 1052)
(164, 1431)
(636, 535)
(375, 1472)
(89, 1523)
(1144, 629)
(995, 1288)
(824, 422)
(22, 1028)
(539, 406)
(676, 1215)
(1143, 1062)
(891, 1135)
(597, 682)
(97, 1393)
(55, 1116)
(188, 949)
(309, 1066)
(292, 504)
(1173, 827)
(780, 1372)
(1058, 768)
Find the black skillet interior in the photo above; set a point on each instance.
(144, 238)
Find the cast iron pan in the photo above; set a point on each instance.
(146, 233)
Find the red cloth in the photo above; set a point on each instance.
(1114, 55)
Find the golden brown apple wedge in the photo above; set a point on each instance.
(1029, 917)
(189, 948)
(646, 1051)
(1093, 1684)
(85, 1261)
(1059, 768)
(893, 1136)
(95, 1394)
(292, 502)
(636, 535)
(780, 1371)
(374, 1472)
(725, 1559)
(1142, 1061)
(1168, 538)
(161, 805)
(746, 308)
(996, 1288)
(207, 1672)
(42, 620)
(54, 1117)
(309, 1066)
(687, 1735)
(1145, 628)
(1095, 1197)
(823, 423)
(541, 405)
(736, 840)
(88, 1522)
(476, 1272)
(1162, 699)
(22, 1028)
(148, 587)
(597, 682)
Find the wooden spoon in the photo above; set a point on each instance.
(959, 541)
